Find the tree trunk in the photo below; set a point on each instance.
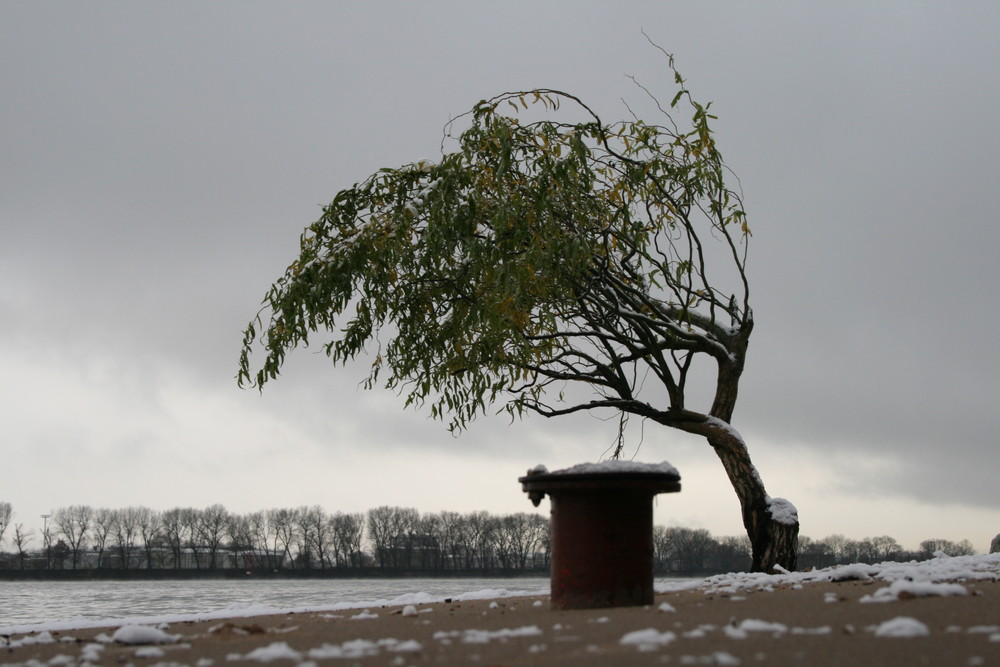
(773, 542)
(773, 539)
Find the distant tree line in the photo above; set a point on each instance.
(385, 539)
(696, 550)
(839, 550)
(302, 538)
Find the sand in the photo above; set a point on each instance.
(812, 624)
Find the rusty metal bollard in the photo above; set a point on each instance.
(602, 530)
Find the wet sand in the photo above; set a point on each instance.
(810, 624)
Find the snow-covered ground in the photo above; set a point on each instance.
(913, 578)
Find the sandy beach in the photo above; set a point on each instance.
(787, 622)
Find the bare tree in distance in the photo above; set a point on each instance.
(150, 531)
(211, 529)
(6, 512)
(125, 530)
(347, 531)
(172, 524)
(73, 523)
(552, 266)
(21, 539)
(282, 526)
(102, 527)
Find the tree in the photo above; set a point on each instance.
(688, 547)
(347, 531)
(879, 549)
(391, 531)
(6, 512)
(453, 539)
(125, 529)
(731, 554)
(241, 541)
(173, 526)
(930, 547)
(149, 524)
(838, 546)
(21, 539)
(314, 533)
(281, 523)
(211, 529)
(190, 524)
(261, 534)
(103, 525)
(73, 522)
(521, 534)
(539, 255)
(817, 553)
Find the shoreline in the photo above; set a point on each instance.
(106, 574)
(295, 575)
(947, 613)
(780, 626)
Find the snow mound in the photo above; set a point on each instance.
(43, 637)
(855, 571)
(649, 639)
(743, 630)
(357, 648)
(142, 634)
(959, 568)
(905, 589)
(269, 653)
(149, 652)
(902, 626)
(484, 636)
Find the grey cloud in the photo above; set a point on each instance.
(159, 163)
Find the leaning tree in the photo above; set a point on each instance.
(542, 254)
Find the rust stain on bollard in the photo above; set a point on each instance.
(602, 530)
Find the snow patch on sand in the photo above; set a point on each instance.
(649, 639)
(902, 626)
(141, 634)
(942, 569)
(904, 589)
(269, 653)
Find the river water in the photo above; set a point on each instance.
(81, 603)
(41, 602)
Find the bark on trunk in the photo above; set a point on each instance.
(773, 542)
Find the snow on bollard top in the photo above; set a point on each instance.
(647, 477)
(612, 466)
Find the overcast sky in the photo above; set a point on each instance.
(159, 160)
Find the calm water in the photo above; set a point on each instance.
(38, 602)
